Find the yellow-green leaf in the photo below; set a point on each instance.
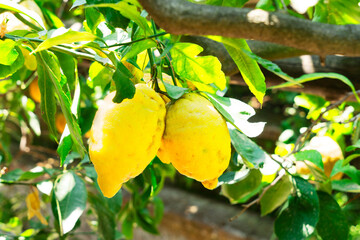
(203, 69)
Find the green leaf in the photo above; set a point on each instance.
(138, 47)
(315, 76)
(353, 147)
(68, 37)
(175, 92)
(267, 5)
(343, 166)
(64, 148)
(71, 195)
(106, 220)
(315, 104)
(7, 70)
(158, 209)
(100, 75)
(68, 66)
(8, 52)
(32, 174)
(124, 86)
(332, 223)
(237, 113)
(231, 177)
(193, 68)
(242, 188)
(127, 226)
(130, 11)
(247, 66)
(299, 219)
(270, 66)
(337, 12)
(276, 195)
(311, 156)
(12, 176)
(78, 3)
(93, 19)
(52, 19)
(52, 73)
(146, 223)
(247, 149)
(114, 203)
(346, 185)
(351, 157)
(112, 17)
(46, 86)
(14, 7)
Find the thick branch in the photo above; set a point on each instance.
(183, 17)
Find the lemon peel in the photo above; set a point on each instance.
(196, 139)
(125, 137)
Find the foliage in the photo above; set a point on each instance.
(50, 69)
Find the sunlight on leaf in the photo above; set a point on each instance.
(193, 68)
(68, 37)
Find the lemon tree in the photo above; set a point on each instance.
(107, 100)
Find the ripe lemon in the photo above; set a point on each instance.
(60, 122)
(196, 139)
(330, 152)
(34, 90)
(125, 137)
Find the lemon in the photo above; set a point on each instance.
(196, 139)
(125, 137)
(60, 122)
(34, 90)
(330, 152)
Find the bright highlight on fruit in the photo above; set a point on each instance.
(196, 139)
(330, 152)
(125, 137)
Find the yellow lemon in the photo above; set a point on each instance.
(330, 152)
(125, 137)
(34, 90)
(196, 139)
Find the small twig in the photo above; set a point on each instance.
(284, 5)
(138, 40)
(43, 149)
(61, 8)
(352, 199)
(257, 200)
(353, 119)
(306, 134)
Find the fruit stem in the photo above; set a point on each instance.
(153, 69)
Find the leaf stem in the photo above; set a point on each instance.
(153, 69)
(138, 40)
(25, 21)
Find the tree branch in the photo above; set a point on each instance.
(183, 17)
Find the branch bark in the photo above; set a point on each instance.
(183, 17)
